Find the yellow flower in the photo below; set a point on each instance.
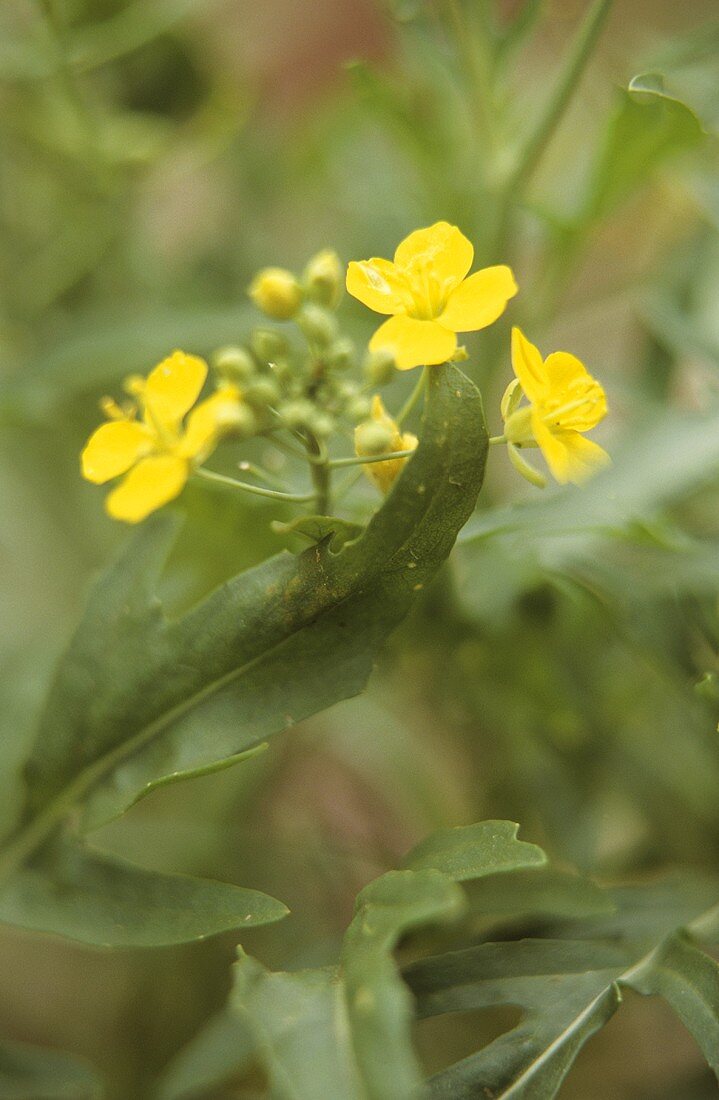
(564, 401)
(428, 295)
(158, 452)
(381, 435)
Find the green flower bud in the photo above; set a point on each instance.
(372, 438)
(261, 392)
(297, 414)
(322, 425)
(358, 408)
(318, 325)
(342, 353)
(243, 423)
(379, 366)
(235, 364)
(276, 292)
(323, 278)
(269, 345)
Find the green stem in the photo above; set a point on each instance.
(320, 473)
(494, 440)
(232, 483)
(358, 460)
(414, 396)
(530, 155)
(264, 475)
(476, 58)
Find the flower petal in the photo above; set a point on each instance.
(207, 422)
(173, 387)
(114, 448)
(149, 485)
(442, 246)
(573, 387)
(414, 343)
(479, 300)
(568, 454)
(528, 366)
(377, 284)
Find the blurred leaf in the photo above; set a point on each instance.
(567, 991)
(138, 698)
(355, 1019)
(649, 126)
(72, 891)
(36, 1073)
(474, 851)
(689, 981)
(569, 988)
(221, 1050)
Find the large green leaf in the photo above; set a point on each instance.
(356, 1018)
(75, 892)
(138, 698)
(568, 988)
(34, 1073)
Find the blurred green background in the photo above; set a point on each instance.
(563, 673)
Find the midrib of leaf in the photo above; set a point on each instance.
(537, 1063)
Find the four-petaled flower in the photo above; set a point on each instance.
(564, 401)
(429, 296)
(158, 452)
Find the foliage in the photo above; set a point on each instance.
(433, 659)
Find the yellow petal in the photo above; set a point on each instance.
(149, 485)
(377, 284)
(528, 366)
(414, 343)
(113, 449)
(479, 300)
(173, 387)
(568, 454)
(579, 399)
(207, 422)
(441, 247)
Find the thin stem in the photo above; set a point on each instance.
(536, 143)
(358, 460)
(320, 473)
(264, 475)
(496, 439)
(232, 483)
(477, 61)
(413, 397)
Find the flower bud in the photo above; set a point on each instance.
(235, 364)
(372, 438)
(297, 414)
(242, 423)
(322, 425)
(318, 325)
(379, 366)
(323, 278)
(261, 392)
(268, 345)
(276, 292)
(342, 353)
(358, 408)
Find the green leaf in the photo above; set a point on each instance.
(473, 851)
(34, 1073)
(567, 987)
(567, 991)
(220, 1051)
(648, 128)
(138, 698)
(688, 980)
(356, 1018)
(73, 891)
